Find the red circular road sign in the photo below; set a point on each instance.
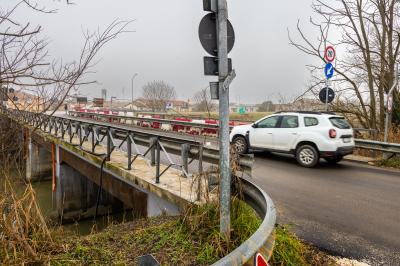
(330, 53)
(260, 260)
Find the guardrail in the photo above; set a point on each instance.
(378, 146)
(260, 245)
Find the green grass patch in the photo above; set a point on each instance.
(192, 239)
(392, 162)
(288, 249)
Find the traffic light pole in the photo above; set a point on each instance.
(224, 145)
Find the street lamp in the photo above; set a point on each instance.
(133, 77)
(112, 97)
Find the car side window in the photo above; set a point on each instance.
(290, 121)
(310, 121)
(270, 122)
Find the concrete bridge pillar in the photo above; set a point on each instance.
(38, 162)
(76, 196)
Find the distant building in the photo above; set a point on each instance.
(248, 108)
(26, 101)
(303, 104)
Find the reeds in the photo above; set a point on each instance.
(24, 233)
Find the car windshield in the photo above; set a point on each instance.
(340, 122)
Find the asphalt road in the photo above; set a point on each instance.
(350, 209)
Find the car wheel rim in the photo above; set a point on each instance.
(240, 145)
(307, 156)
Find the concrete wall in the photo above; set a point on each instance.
(38, 163)
(76, 196)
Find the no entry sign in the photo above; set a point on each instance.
(260, 260)
(330, 53)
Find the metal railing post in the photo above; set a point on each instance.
(108, 145)
(185, 157)
(153, 143)
(200, 172)
(158, 162)
(93, 139)
(129, 144)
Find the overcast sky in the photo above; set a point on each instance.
(165, 45)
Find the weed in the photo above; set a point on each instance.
(392, 162)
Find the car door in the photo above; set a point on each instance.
(287, 132)
(261, 133)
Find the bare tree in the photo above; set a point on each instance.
(157, 94)
(203, 101)
(25, 65)
(369, 41)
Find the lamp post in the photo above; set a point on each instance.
(133, 77)
(112, 97)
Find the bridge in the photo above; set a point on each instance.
(98, 167)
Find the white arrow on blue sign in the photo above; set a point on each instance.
(329, 71)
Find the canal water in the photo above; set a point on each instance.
(44, 197)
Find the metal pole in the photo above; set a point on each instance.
(224, 145)
(133, 77)
(326, 97)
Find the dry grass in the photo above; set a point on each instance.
(24, 233)
(393, 137)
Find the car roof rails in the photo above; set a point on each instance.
(306, 112)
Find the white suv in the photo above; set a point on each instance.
(307, 135)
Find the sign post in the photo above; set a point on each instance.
(224, 145)
(217, 38)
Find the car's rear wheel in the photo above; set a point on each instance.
(334, 160)
(307, 156)
(240, 145)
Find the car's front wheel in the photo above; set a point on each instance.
(240, 145)
(307, 156)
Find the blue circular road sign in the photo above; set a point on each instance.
(329, 71)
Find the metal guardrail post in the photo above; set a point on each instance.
(153, 142)
(129, 146)
(185, 157)
(93, 139)
(108, 144)
(200, 172)
(157, 161)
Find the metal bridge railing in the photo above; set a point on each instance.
(115, 136)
